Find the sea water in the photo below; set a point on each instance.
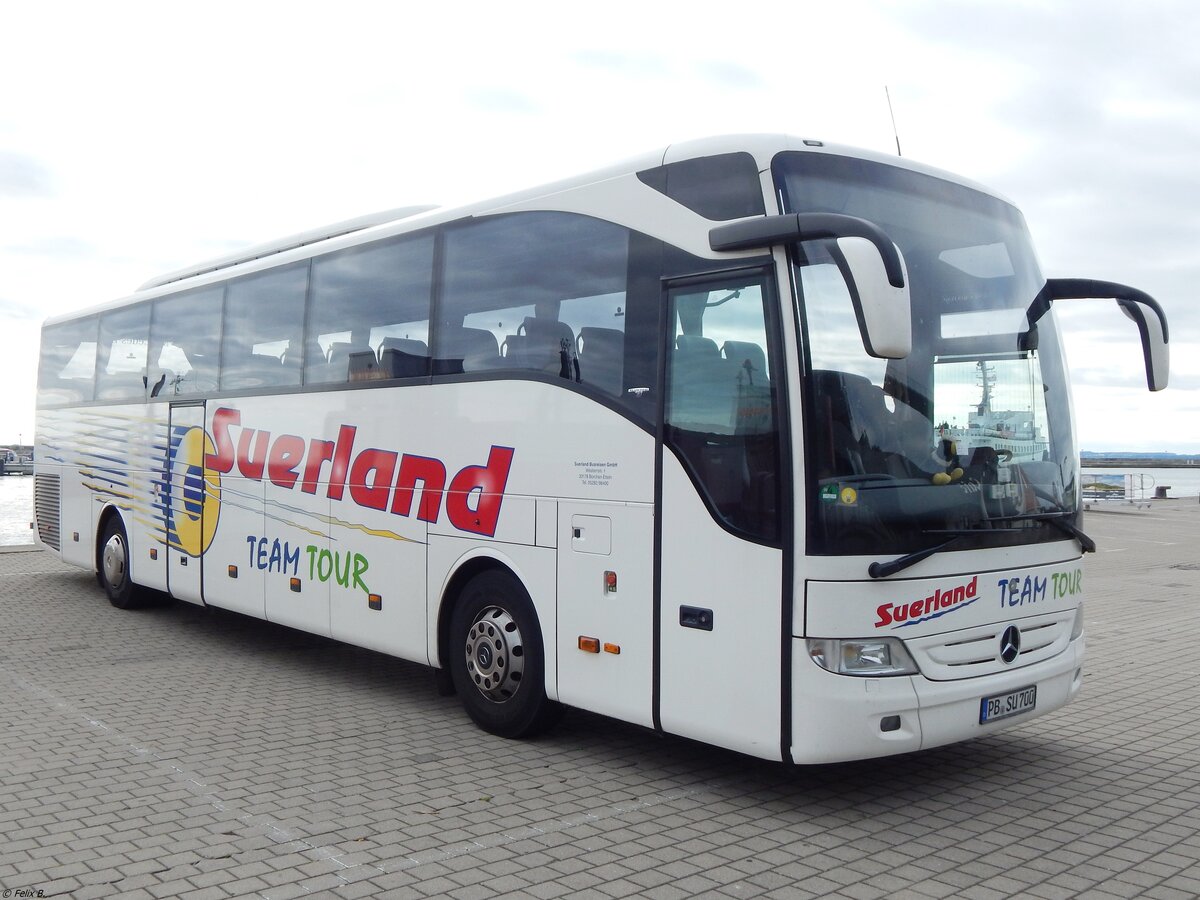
(1180, 481)
(16, 509)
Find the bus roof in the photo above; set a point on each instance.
(291, 242)
(763, 147)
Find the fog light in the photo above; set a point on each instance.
(889, 723)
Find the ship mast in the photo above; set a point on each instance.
(987, 378)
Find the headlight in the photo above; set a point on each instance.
(1077, 625)
(862, 656)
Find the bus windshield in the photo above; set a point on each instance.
(969, 437)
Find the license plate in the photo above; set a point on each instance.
(1004, 705)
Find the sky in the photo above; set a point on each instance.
(136, 138)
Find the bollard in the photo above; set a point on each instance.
(1160, 492)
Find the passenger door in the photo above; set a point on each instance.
(721, 591)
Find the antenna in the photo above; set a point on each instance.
(893, 115)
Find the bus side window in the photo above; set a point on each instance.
(371, 299)
(121, 369)
(184, 346)
(67, 369)
(534, 281)
(263, 329)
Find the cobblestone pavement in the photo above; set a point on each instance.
(180, 751)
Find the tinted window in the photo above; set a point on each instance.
(370, 306)
(263, 327)
(541, 292)
(719, 187)
(124, 336)
(68, 363)
(721, 411)
(185, 343)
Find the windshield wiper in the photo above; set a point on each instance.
(1057, 519)
(884, 569)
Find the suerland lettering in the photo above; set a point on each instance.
(373, 476)
(936, 604)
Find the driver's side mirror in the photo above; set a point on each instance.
(883, 310)
(1138, 306)
(868, 259)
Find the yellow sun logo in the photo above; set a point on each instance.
(195, 494)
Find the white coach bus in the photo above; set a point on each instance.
(756, 440)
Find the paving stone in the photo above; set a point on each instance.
(192, 752)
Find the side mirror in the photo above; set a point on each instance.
(868, 259)
(883, 311)
(1138, 306)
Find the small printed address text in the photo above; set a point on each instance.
(595, 474)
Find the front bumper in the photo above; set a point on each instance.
(836, 718)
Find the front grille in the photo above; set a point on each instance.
(46, 494)
(976, 651)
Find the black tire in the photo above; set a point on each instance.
(496, 657)
(112, 567)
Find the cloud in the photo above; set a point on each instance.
(58, 247)
(628, 64)
(23, 176)
(728, 74)
(503, 101)
(643, 66)
(17, 311)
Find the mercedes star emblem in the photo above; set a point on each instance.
(1010, 643)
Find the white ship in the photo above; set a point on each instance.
(1011, 433)
(12, 463)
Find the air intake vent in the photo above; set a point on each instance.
(46, 509)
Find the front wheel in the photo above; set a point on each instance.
(113, 569)
(496, 657)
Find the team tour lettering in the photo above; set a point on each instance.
(344, 567)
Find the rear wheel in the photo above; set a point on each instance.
(113, 569)
(496, 657)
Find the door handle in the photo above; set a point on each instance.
(696, 617)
